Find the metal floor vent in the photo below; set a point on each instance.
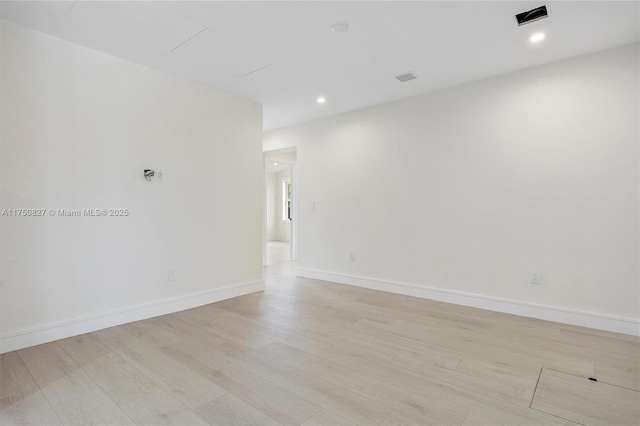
(407, 77)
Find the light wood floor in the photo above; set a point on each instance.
(278, 252)
(315, 353)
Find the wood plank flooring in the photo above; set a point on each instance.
(585, 401)
(306, 352)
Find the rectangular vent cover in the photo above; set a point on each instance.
(532, 15)
(407, 77)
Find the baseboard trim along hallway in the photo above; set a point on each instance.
(50, 332)
(531, 310)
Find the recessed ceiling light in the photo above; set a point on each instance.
(275, 164)
(536, 38)
(321, 100)
(340, 27)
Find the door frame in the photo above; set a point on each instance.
(293, 234)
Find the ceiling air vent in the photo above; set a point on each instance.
(407, 77)
(532, 15)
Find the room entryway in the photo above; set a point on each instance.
(279, 206)
(278, 252)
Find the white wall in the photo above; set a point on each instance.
(467, 189)
(77, 129)
(286, 155)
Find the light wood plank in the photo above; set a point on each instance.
(16, 383)
(119, 379)
(270, 331)
(83, 349)
(480, 344)
(32, 409)
(404, 418)
(47, 363)
(504, 329)
(382, 392)
(237, 335)
(160, 408)
(426, 343)
(150, 333)
(427, 312)
(625, 374)
(425, 338)
(575, 366)
(366, 345)
(185, 385)
(423, 361)
(527, 416)
(76, 399)
(583, 401)
(327, 418)
(229, 410)
(444, 385)
(334, 398)
(516, 372)
(202, 336)
(607, 345)
(563, 356)
(274, 401)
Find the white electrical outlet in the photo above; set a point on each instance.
(535, 276)
(352, 256)
(173, 274)
(313, 206)
(159, 175)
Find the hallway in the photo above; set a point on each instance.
(278, 252)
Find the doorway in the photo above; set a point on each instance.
(279, 206)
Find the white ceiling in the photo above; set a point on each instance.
(272, 167)
(284, 55)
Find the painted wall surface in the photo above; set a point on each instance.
(77, 128)
(470, 188)
(282, 157)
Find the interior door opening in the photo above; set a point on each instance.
(279, 207)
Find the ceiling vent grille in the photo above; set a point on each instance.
(532, 15)
(406, 77)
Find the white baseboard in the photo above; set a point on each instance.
(61, 330)
(531, 310)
